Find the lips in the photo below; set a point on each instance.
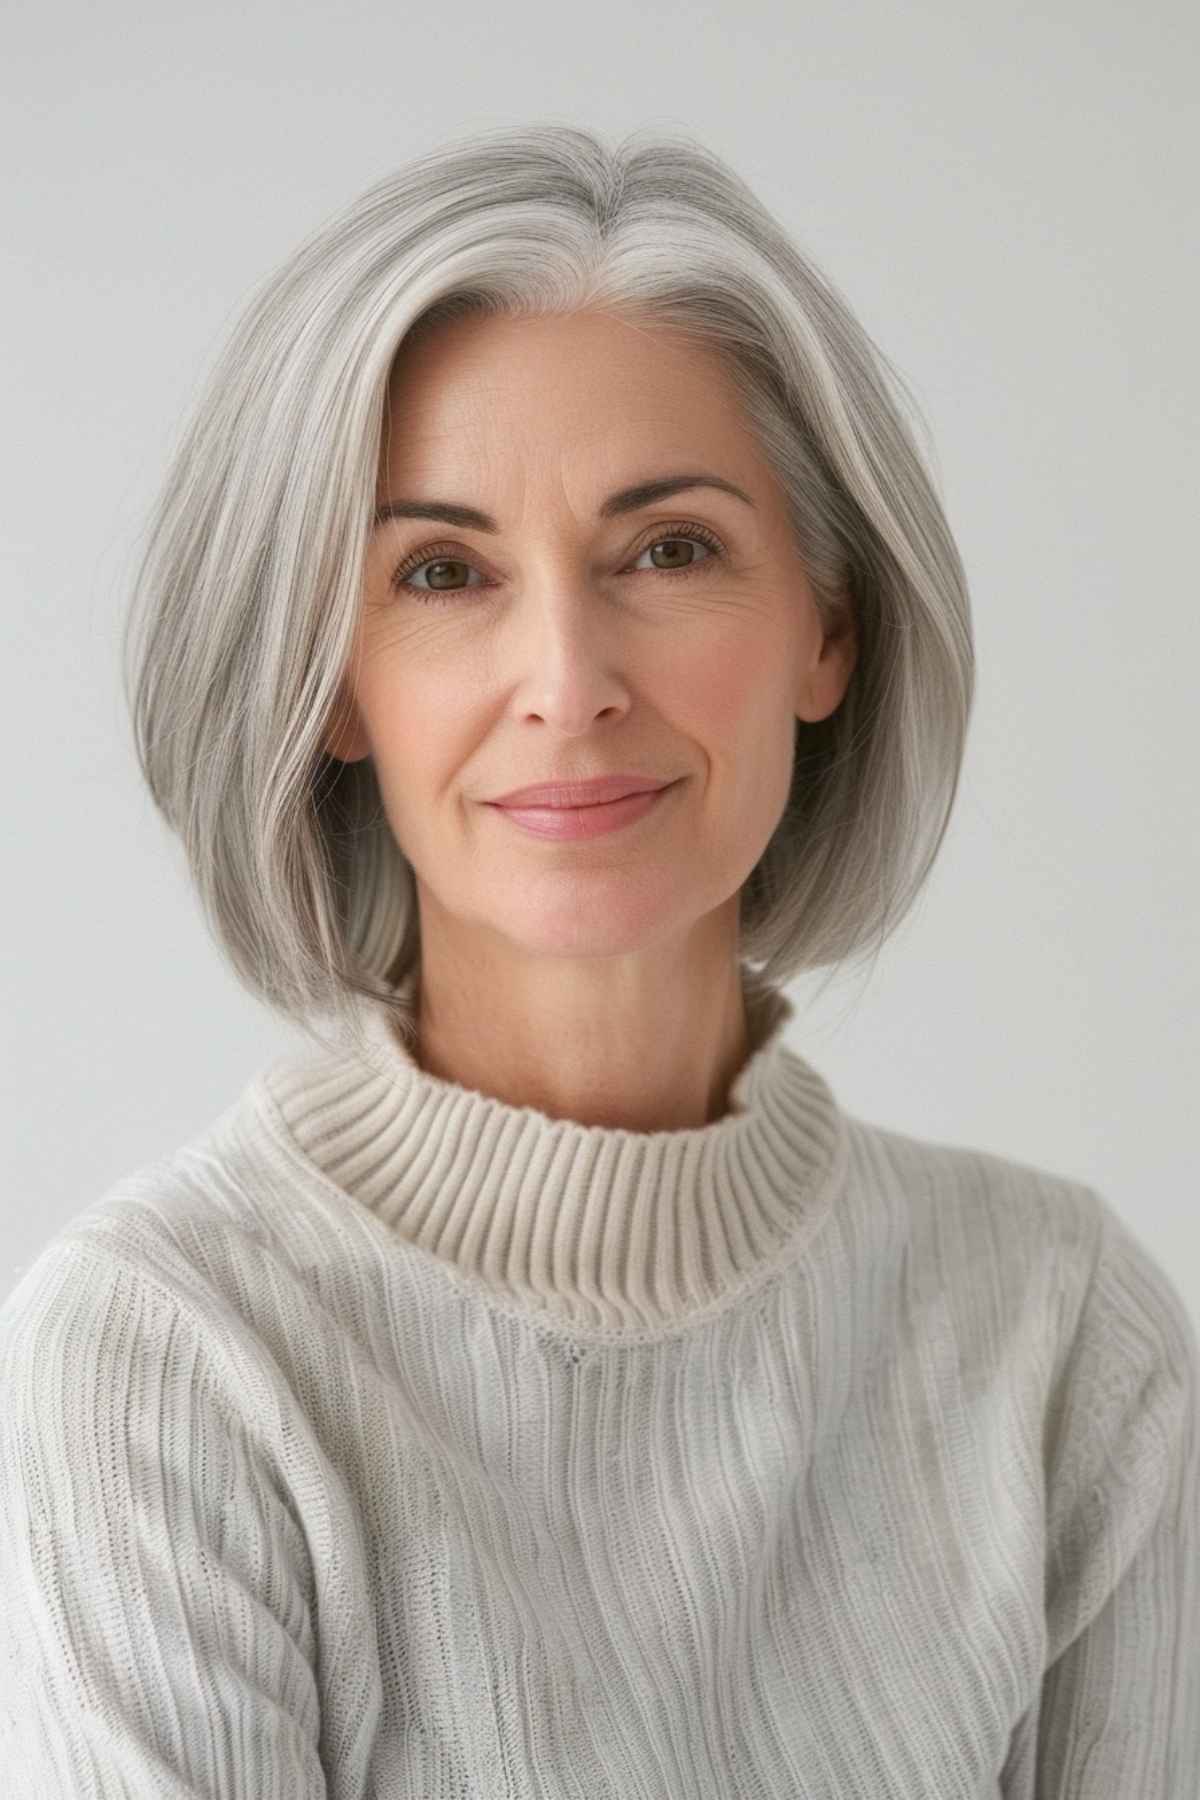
(577, 822)
(581, 793)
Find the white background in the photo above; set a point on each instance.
(1006, 197)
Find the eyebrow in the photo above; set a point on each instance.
(625, 500)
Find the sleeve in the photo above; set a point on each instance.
(155, 1634)
(1119, 1711)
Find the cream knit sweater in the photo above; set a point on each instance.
(389, 1442)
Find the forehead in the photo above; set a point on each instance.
(591, 385)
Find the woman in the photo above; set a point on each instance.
(540, 1385)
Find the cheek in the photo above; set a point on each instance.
(413, 732)
(733, 692)
(739, 711)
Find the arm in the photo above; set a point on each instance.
(155, 1632)
(1119, 1712)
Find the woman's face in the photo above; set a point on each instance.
(677, 639)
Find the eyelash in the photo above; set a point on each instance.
(446, 552)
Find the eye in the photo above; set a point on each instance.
(441, 561)
(688, 534)
(437, 563)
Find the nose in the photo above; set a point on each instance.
(571, 660)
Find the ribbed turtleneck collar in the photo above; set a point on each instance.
(597, 1225)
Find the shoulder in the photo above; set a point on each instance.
(158, 1316)
(1026, 1245)
(943, 1189)
(176, 1244)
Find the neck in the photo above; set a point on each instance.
(617, 1232)
(644, 1048)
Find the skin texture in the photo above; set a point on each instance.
(593, 980)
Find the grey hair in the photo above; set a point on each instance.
(245, 604)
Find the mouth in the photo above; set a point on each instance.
(587, 821)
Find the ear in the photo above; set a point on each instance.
(823, 682)
(344, 736)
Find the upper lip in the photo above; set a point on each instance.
(580, 793)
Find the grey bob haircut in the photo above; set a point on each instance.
(246, 599)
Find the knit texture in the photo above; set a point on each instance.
(387, 1440)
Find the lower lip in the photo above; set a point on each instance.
(584, 821)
